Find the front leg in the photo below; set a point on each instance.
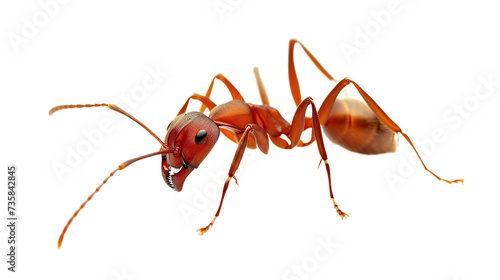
(262, 141)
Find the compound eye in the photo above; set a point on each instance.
(200, 137)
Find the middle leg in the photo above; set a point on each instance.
(296, 129)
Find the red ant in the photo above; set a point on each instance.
(357, 126)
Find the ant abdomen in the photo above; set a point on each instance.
(354, 126)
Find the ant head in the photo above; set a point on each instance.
(192, 136)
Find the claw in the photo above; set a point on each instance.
(202, 231)
(454, 181)
(341, 214)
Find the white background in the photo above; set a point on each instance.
(421, 64)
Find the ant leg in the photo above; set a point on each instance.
(203, 99)
(292, 75)
(296, 129)
(330, 99)
(234, 92)
(262, 141)
(262, 89)
(265, 101)
(294, 82)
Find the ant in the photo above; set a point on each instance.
(357, 126)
